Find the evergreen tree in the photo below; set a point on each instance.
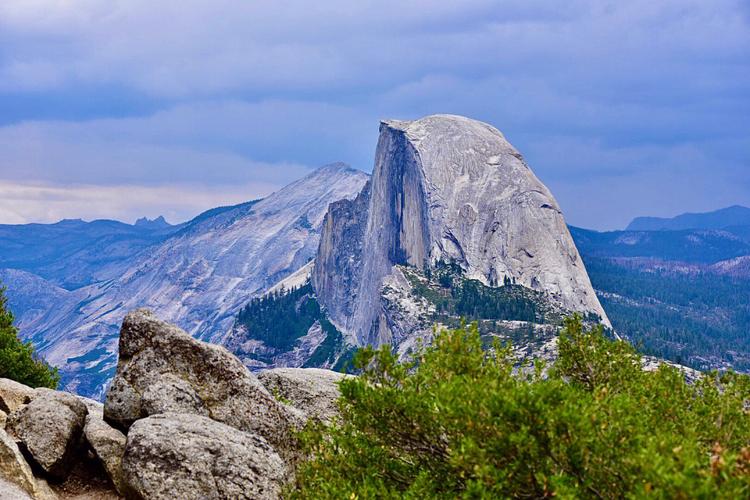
(17, 359)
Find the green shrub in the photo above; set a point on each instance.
(17, 359)
(464, 422)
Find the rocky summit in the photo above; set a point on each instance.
(452, 224)
(445, 189)
(183, 419)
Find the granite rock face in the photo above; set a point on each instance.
(312, 390)
(445, 189)
(17, 475)
(50, 428)
(108, 444)
(9, 491)
(185, 456)
(163, 369)
(14, 395)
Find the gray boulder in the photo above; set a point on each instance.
(161, 369)
(313, 390)
(50, 429)
(108, 445)
(14, 395)
(94, 407)
(15, 473)
(9, 491)
(193, 457)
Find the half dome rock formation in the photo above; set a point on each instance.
(445, 190)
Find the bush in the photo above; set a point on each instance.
(465, 422)
(17, 359)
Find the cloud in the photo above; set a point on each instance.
(188, 48)
(24, 203)
(217, 142)
(598, 95)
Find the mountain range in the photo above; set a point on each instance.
(197, 274)
(731, 217)
(680, 287)
(452, 223)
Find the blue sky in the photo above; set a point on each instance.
(126, 108)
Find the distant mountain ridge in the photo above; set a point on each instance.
(73, 253)
(687, 245)
(198, 274)
(718, 219)
(681, 294)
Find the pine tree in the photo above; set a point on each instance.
(17, 359)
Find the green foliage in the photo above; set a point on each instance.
(280, 318)
(465, 422)
(17, 359)
(456, 296)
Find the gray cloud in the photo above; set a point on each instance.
(614, 104)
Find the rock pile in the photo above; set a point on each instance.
(182, 419)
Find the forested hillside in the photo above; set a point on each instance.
(683, 295)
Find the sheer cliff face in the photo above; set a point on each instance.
(445, 188)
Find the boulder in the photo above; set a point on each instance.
(94, 407)
(313, 390)
(15, 473)
(186, 456)
(9, 491)
(161, 368)
(3, 419)
(170, 394)
(14, 395)
(50, 429)
(108, 445)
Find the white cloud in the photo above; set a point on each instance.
(24, 203)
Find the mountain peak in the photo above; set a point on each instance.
(735, 215)
(444, 189)
(335, 169)
(157, 223)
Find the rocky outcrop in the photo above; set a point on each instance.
(15, 470)
(195, 424)
(49, 428)
(444, 189)
(314, 391)
(14, 395)
(193, 457)
(163, 369)
(108, 444)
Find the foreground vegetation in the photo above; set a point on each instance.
(465, 422)
(17, 359)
